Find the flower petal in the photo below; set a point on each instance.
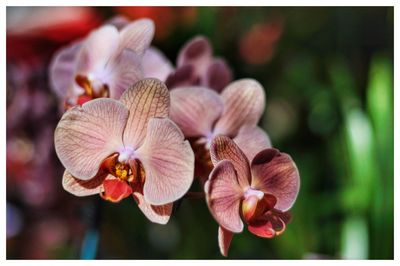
(123, 71)
(62, 69)
(196, 52)
(223, 195)
(195, 109)
(82, 188)
(183, 76)
(272, 224)
(222, 147)
(224, 240)
(251, 140)
(262, 229)
(168, 162)
(156, 214)
(137, 35)
(156, 65)
(99, 47)
(218, 75)
(276, 173)
(244, 102)
(147, 98)
(115, 190)
(87, 135)
(118, 21)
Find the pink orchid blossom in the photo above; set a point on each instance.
(126, 147)
(196, 66)
(104, 64)
(202, 114)
(262, 191)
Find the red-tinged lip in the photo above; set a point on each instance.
(115, 190)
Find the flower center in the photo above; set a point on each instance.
(122, 171)
(253, 192)
(126, 154)
(129, 175)
(255, 203)
(92, 89)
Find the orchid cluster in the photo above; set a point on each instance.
(135, 125)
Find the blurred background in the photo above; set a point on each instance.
(328, 76)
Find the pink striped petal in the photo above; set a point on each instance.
(137, 36)
(121, 72)
(196, 52)
(224, 240)
(223, 195)
(156, 214)
(145, 99)
(251, 140)
(99, 47)
(244, 102)
(276, 173)
(156, 65)
(87, 135)
(195, 110)
(82, 188)
(223, 148)
(218, 75)
(168, 162)
(62, 69)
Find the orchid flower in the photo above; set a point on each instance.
(202, 114)
(195, 66)
(262, 191)
(102, 65)
(126, 147)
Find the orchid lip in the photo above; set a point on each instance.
(126, 154)
(253, 192)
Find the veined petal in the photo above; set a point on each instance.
(87, 135)
(147, 98)
(244, 102)
(195, 109)
(62, 69)
(218, 75)
(123, 71)
(276, 173)
(82, 188)
(156, 65)
(251, 140)
(156, 214)
(196, 52)
(223, 195)
(223, 148)
(99, 47)
(137, 35)
(168, 162)
(224, 240)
